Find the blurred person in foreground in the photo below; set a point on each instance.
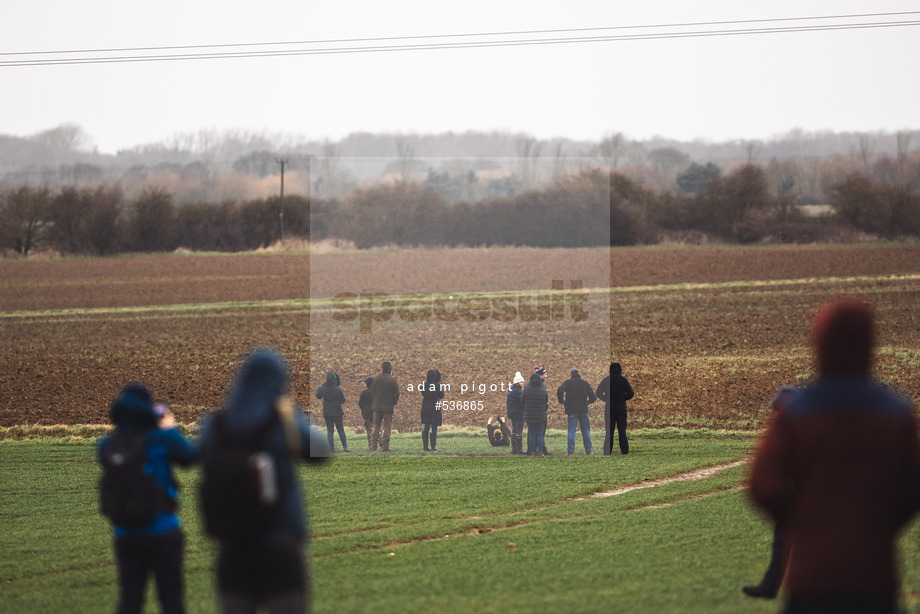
(266, 566)
(768, 587)
(155, 543)
(840, 470)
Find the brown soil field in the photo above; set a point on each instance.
(705, 335)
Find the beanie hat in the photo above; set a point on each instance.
(369, 379)
(539, 371)
(518, 378)
(133, 407)
(574, 371)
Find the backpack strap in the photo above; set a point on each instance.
(285, 408)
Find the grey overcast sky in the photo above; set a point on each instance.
(712, 87)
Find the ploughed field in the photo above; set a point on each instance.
(705, 335)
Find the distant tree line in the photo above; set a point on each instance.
(737, 207)
(594, 207)
(100, 221)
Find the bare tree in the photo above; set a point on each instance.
(558, 161)
(66, 137)
(23, 214)
(528, 150)
(611, 147)
(750, 148)
(903, 140)
(328, 180)
(406, 153)
(865, 151)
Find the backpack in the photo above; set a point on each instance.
(129, 495)
(239, 489)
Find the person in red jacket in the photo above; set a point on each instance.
(840, 470)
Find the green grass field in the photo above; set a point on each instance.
(409, 532)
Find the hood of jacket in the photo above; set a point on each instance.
(133, 408)
(262, 379)
(434, 376)
(332, 379)
(535, 380)
(616, 368)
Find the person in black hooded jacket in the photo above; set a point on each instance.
(431, 409)
(614, 390)
(534, 403)
(272, 570)
(333, 397)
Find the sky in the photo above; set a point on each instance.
(712, 87)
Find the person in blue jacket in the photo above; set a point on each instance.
(158, 547)
(270, 571)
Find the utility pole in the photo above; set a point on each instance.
(282, 162)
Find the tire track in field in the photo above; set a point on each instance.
(657, 506)
(477, 529)
(696, 474)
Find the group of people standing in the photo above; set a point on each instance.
(529, 404)
(526, 403)
(377, 403)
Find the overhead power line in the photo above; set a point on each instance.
(457, 41)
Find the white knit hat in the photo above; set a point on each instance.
(518, 378)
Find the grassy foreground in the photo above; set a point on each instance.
(463, 530)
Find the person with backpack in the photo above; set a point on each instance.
(139, 496)
(333, 397)
(250, 493)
